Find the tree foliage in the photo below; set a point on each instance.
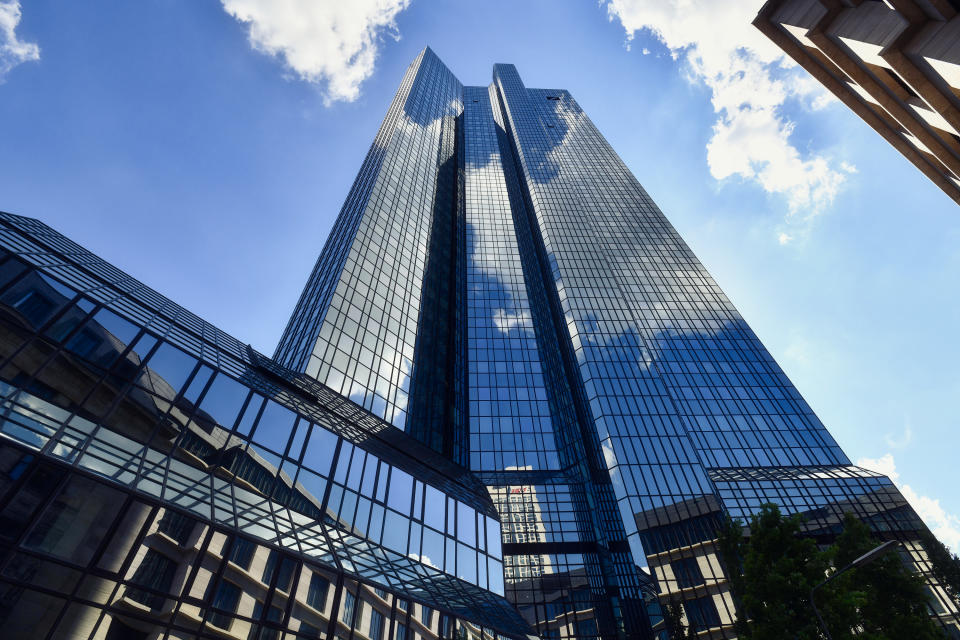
(945, 565)
(891, 599)
(771, 574)
(673, 620)
(778, 569)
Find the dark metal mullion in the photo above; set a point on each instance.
(252, 509)
(114, 286)
(118, 578)
(335, 606)
(121, 394)
(291, 589)
(217, 578)
(186, 493)
(44, 504)
(324, 504)
(173, 403)
(191, 576)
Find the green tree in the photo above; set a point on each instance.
(731, 546)
(778, 567)
(889, 597)
(945, 565)
(673, 620)
(772, 572)
(691, 630)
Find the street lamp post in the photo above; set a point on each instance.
(869, 556)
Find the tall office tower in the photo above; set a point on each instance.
(500, 287)
(896, 63)
(507, 388)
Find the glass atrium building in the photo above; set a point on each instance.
(510, 402)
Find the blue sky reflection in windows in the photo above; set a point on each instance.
(604, 366)
(672, 395)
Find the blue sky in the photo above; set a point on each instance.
(206, 148)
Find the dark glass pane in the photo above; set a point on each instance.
(309, 631)
(347, 608)
(10, 270)
(35, 307)
(225, 598)
(176, 525)
(241, 552)
(687, 572)
(276, 562)
(274, 427)
(223, 400)
(169, 368)
(27, 614)
(154, 574)
(400, 492)
(66, 323)
(702, 613)
(317, 591)
(18, 513)
(121, 330)
(376, 625)
(197, 384)
(74, 524)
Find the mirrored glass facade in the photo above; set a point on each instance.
(160, 479)
(510, 402)
(597, 380)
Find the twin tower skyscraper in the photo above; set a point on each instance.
(510, 401)
(500, 286)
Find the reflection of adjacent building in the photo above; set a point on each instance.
(683, 558)
(683, 553)
(252, 575)
(822, 495)
(521, 521)
(551, 589)
(142, 500)
(184, 575)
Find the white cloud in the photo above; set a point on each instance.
(505, 321)
(784, 238)
(333, 44)
(945, 526)
(900, 441)
(750, 80)
(884, 465)
(424, 559)
(12, 50)
(849, 168)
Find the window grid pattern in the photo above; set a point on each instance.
(298, 339)
(365, 346)
(510, 419)
(42, 247)
(131, 582)
(581, 569)
(499, 286)
(287, 471)
(674, 378)
(133, 302)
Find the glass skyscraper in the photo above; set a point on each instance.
(509, 402)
